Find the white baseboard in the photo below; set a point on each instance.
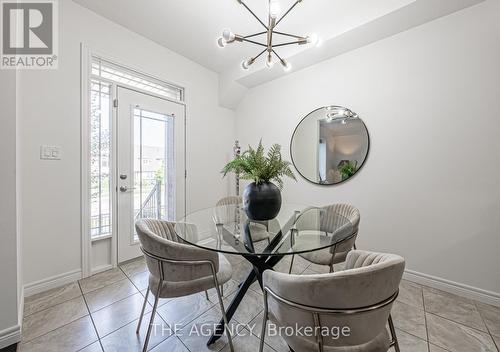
(10, 336)
(101, 268)
(52, 282)
(20, 313)
(480, 295)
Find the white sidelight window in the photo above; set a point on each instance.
(100, 158)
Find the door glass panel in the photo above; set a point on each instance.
(153, 165)
(100, 155)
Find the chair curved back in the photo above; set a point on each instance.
(159, 240)
(359, 297)
(226, 209)
(329, 222)
(229, 200)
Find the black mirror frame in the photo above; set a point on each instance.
(328, 184)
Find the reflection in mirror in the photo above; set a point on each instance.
(329, 145)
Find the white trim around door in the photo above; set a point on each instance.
(100, 252)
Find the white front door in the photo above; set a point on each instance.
(150, 164)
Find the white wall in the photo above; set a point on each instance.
(10, 302)
(430, 98)
(50, 114)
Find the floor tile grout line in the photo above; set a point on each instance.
(410, 333)
(473, 302)
(103, 286)
(411, 306)
(495, 343)
(130, 274)
(91, 317)
(131, 279)
(176, 337)
(250, 334)
(486, 325)
(455, 322)
(445, 349)
(121, 299)
(72, 321)
(106, 306)
(82, 294)
(48, 332)
(133, 321)
(425, 320)
(196, 317)
(44, 309)
(218, 309)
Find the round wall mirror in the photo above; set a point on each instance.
(329, 145)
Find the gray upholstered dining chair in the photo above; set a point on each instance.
(226, 210)
(328, 223)
(359, 297)
(177, 269)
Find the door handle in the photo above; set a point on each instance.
(125, 189)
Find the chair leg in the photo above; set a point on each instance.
(221, 303)
(151, 321)
(142, 311)
(206, 295)
(331, 268)
(354, 246)
(264, 323)
(291, 264)
(394, 341)
(222, 290)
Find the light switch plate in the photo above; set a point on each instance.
(50, 152)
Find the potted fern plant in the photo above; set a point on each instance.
(261, 198)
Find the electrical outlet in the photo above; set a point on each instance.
(50, 152)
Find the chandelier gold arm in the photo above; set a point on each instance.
(253, 13)
(273, 21)
(288, 11)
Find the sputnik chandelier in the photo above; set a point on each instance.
(271, 33)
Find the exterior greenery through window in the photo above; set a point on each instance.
(100, 155)
(105, 76)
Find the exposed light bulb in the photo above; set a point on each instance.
(274, 9)
(228, 35)
(286, 66)
(269, 61)
(247, 63)
(221, 42)
(313, 39)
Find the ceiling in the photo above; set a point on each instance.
(191, 27)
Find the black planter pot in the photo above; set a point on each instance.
(262, 202)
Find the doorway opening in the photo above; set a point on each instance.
(133, 158)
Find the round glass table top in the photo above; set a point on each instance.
(296, 229)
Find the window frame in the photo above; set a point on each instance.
(87, 57)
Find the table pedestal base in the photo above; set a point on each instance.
(259, 265)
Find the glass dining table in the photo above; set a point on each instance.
(296, 229)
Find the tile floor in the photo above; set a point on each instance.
(100, 314)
